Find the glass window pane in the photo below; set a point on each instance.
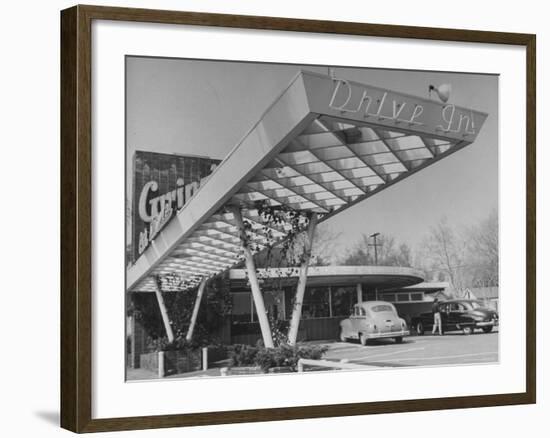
(241, 307)
(316, 303)
(343, 299)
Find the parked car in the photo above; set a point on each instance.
(465, 315)
(373, 320)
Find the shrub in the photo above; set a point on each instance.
(180, 343)
(281, 356)
(311, 352)
(163, 344)
(242, 355)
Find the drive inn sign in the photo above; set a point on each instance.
(399, 110)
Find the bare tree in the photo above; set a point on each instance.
(324, 245)
(466, 257)
(389, 253)
(443, 250)
(483, 251)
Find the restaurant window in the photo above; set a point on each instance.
(402, 297)
(242, 307)
(418, 296)
(316, 303)
(343, 299)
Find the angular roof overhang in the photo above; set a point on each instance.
(324, 145)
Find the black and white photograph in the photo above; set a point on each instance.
(286, 218)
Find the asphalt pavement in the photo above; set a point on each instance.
(454, 348)
(428, 350)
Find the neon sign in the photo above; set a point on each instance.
(379, 106)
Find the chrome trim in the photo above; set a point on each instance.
(387, 334)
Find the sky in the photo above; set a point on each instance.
(204, 107)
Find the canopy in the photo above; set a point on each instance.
(374, 277)
(323, 145)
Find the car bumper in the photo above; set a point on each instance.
(387, 334)
(486, 323)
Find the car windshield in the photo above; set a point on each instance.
(382, 308)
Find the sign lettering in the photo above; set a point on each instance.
(163, 207)
(162, 185)
(381, 105)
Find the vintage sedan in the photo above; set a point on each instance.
(465, 315)
(373, 320)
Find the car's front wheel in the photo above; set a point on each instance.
(342, 337)
(488, 329)
(467, 330)
(419, 328)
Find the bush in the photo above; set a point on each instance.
(242, 355)
(163, 344)
(281, 356)
(180, 344)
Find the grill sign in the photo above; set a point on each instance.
(162, 208)
(163, 184)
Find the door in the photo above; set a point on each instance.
(450, 316)
(457, 312)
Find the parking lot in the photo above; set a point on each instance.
(452, 348)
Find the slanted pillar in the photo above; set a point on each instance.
(195, 313)
(164, 313)
(359, 293)
(253, 279)
(302, 280)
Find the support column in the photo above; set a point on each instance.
(164, 313)
(359, 293)
(195, 313)
(253, 279)
(302, 280)
(137, 340)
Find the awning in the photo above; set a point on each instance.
(379, 277)
(323, 145)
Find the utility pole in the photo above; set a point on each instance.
(376, 245)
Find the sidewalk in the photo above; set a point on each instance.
(133, 374)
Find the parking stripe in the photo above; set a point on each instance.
(386, 354)
(358, 348)
(456, 356)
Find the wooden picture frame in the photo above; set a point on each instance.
(76, 217)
